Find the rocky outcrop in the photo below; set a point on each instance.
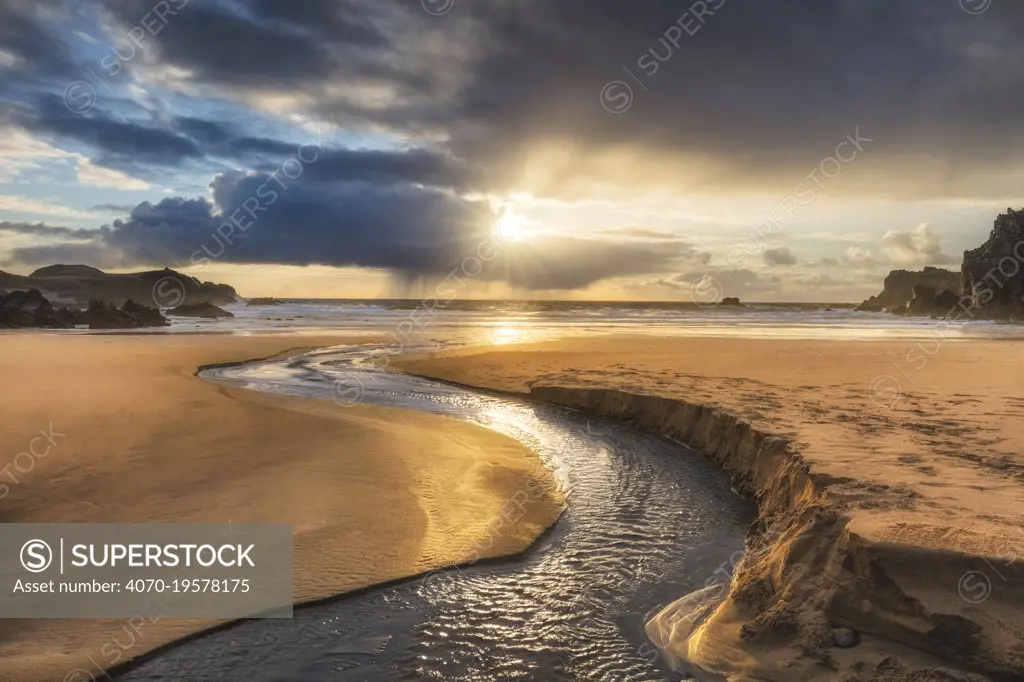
(898, 290)
(993, 273)
(732, 301)
(131, 315)
(205, 310)
(24, 309)
(816, 577)
(76, 285)
(263, 301)
(927, 302)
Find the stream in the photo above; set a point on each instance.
(648, 521)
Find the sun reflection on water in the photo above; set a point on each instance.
(501, 336)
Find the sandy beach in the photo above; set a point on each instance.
(888, 476)
(374, 494)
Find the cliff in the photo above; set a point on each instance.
(77, 285)
(898, 290)
(993, 273)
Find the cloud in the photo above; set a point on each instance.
(19, 204)
(91, 175)
(135, 140)
(113, 208)
(95, 254)
(42, 229)
(739, 282)
(563, 263)
(639, 233)
(126, 144)
(21, 151)
(512, 86)
(411, 230)
(504, 96)
(853, 237)
(859, 257)
(779, 256)
(920, 246)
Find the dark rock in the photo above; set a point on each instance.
(207, 310)
(898, 289)
(25, 309)
(927, 302)
(993, 273)
(144, 315)
(947, 304)
(921, 303)
(263, 301)
(732, 301)
(844, 638)
(131, 315)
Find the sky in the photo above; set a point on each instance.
(794, 150)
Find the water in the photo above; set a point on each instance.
(502, 322)
(648, 521)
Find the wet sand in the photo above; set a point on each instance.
(889, 474)
(374, 494)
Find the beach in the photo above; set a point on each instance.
(132, 435)
(887, 474)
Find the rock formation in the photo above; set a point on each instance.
(20, 309)
(927, 302)
(76, 285)
(732, 301)
(206, 310)
(263, 301)
(993, 273)
(131, 315)
(898, 290)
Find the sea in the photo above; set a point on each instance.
(505, 322)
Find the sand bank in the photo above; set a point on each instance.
(374, 494)
(889, 477)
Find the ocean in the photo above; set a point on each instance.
(503, 322)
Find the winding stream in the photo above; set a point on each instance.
(648, 521)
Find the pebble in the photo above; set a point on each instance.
(845, 638)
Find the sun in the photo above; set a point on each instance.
(510, 227)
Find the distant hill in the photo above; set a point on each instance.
(76, 285)
(68, 271)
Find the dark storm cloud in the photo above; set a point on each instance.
(759, 87)
(131, 139)
(266, 220)
(765, 90)
(135, 143)
(262, 43)
(255, 219)
(29, 32)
